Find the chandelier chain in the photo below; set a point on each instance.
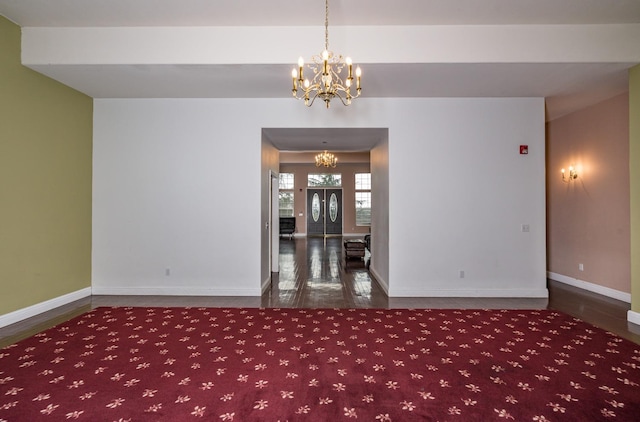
(326, 25)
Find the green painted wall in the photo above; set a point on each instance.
(45, 182)
(634, 174)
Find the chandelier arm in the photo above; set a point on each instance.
(345, 101)
(309, 103)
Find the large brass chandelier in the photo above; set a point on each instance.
(326, 81)
(326, 159)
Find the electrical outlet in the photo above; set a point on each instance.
(167, 272)
(581, 267)
(461, 274)
(525, 228)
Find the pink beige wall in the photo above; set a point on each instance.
(348, 171)
(588, 218)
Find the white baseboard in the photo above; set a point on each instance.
(302, 235)
(266, 285)
(591, 287)
(484, 293)
(38, 308)
(633, 317)
(173, 291)
(382, 282)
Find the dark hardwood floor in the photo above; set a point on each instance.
(601, 311)
(315, 274)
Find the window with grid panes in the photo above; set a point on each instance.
(363, 199)
(324, 180)
(285, 195)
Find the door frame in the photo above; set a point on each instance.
(274, 219)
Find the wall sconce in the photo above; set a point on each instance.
(573, 174)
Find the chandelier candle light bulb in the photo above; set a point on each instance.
(301, 66)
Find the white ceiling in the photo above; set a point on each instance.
(566, 86)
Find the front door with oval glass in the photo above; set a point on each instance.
(324, 212)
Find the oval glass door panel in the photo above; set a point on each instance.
(333, 207)
(315, 207)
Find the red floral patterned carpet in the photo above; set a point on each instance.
(190, 364)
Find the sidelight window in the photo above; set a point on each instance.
(285, 195)
(363, 199)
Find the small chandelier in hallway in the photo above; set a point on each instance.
(326, 159)
(326, 81)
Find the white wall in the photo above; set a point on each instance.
(176, 185)
(379, 264)
(180, 184)
(455, 167)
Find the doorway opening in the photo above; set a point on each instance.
(348, 209)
